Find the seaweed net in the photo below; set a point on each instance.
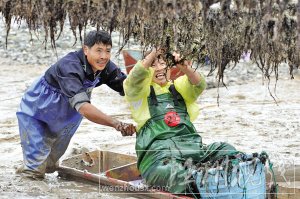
(219, 29)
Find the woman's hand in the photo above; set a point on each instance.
(186, 67)
(150, 58)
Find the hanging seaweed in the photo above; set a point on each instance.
(219, 29)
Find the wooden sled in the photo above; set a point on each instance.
(120, 172)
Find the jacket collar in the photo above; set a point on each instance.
(85, 64)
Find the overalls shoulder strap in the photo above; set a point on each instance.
(153, 99)
(161, 104)
(176, 95)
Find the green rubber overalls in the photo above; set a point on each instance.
(169, 140)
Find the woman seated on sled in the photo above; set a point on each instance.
(167, 141)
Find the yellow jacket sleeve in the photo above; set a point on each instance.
(137, 82)
(190, 93)
(137, 89)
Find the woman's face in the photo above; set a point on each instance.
(161, 72)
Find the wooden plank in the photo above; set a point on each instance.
(127, 172)
(104, 180)
(102, 161)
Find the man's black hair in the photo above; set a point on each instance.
(97, 37)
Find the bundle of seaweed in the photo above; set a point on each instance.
(231, 170)
(270, 29)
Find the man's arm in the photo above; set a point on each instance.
(93, 114)
(113, 77)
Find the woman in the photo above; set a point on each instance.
(167, 140)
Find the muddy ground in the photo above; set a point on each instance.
(246, 117)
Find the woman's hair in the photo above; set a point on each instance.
(97, 37)
(161, 56)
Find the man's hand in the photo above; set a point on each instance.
(125, 128)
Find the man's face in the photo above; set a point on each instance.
(98, 55)
(161, 72)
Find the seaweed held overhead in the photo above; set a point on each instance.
(219, 29)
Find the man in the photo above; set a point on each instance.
(166, 138)
(53, 107)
